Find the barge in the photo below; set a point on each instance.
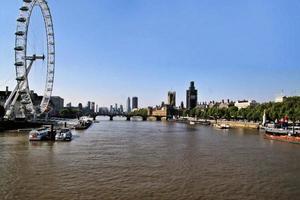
(83, 124)
(285, 135)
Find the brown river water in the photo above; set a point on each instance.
(150, 160)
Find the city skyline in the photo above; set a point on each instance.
(147, 49)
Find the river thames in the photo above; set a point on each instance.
(150, 160)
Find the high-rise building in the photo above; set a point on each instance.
(80, 106)
(128, 108)
(92, 108)
(172, 98)
(191, 96)
(135, 103)
(116, 107)
(182, 105)
(121, 108)
(88, 105)
(97, 108)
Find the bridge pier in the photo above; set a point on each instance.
(144, 118)
(111, 118)
(127, 118)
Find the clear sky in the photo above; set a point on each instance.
(107, 50)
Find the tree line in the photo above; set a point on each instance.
(290, 107)
(140, 112)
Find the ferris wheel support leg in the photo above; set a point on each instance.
(10, 102)
(34, 116)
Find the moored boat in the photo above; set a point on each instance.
(205, 123)
(278, 131)
(192, 123)
(281, 134)
(222, 126)
(39, 134)
(64, 134)
(82, 124)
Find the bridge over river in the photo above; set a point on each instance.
(127, 116)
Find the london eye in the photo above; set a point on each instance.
(20, 103)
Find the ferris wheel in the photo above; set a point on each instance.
(20, 102)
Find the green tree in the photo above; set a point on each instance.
(193, 112)
(186, 113)
(140, 112)
(233, 112)
(69, 113)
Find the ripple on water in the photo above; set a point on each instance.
(150, 160)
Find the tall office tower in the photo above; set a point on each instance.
(88, 105)
(111, 109)
(121, 108)
(80, 106)
(92, 108)
(191, 96)
(116, 107)
(172, 98)
(182, 105)
(135, 103)
(97, 108)
(128, 108)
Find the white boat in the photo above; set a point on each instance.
(192, 123)
(86, 118)
(278, 131)
(39, 134)
(64, 134)
(222, 126)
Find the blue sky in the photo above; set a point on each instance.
(107, 50)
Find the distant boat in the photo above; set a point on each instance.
(39, 134)
(222, 126)
(192, 123)
(64, 134)
(86, 118)
(83, 124)
(206, 123)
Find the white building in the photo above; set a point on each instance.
(244, 104)
(280, 99)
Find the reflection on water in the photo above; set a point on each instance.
(150, 160)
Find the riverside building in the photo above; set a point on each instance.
(244, 104)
